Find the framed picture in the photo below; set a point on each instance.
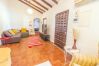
(44, 26)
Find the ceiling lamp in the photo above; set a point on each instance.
(30, 11)
(77, 1)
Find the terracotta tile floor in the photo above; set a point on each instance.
(21, 55)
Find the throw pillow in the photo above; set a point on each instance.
(7, 34)
(10, 31)
(15, 30)
(23, 30)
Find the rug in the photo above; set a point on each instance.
(34, 41)
(5, 58)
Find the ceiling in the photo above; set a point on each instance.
(77, 1)
(83, 2)
(40, 5)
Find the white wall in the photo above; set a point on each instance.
(89, 28)
(63, 5)
(15, 14)
(19, 15)
(4, 16)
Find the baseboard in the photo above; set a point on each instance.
(57, 46)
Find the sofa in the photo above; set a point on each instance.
(14, 37)
(84, 60)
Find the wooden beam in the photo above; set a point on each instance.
(30, 6)
(47, 3)
(55, 1)
(34, 5)
(40, 4)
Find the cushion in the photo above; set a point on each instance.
(15, 30)
(97, 59)
(11, 31)
(93, 61)
(23, 29)
(7, 34)
(84, 60)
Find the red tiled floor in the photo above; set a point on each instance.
(21, 55)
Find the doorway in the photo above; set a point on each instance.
(36, 25)
(44, 26)
(61, 29)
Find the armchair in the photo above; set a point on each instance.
(24, 32)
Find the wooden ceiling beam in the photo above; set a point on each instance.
(31, 6)
(40, 4)
(55, 1)
(47, 3)
(34, 5)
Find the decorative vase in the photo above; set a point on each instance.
(74, 45)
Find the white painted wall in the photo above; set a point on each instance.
(89, 28)
(14, 14)
(63, 5)
(4, 16)
(19, 15)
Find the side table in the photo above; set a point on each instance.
(73, 51)
(69, 54)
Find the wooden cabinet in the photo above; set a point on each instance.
(61, 28)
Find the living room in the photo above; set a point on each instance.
(81, 35)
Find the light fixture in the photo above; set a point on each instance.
(77, 1)
(30, 11)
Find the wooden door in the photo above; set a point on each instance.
(61, 29)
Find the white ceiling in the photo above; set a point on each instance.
(42, 3)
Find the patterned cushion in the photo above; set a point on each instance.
(15, 31)
(11, 31)
(84, 60)
(7, 34)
